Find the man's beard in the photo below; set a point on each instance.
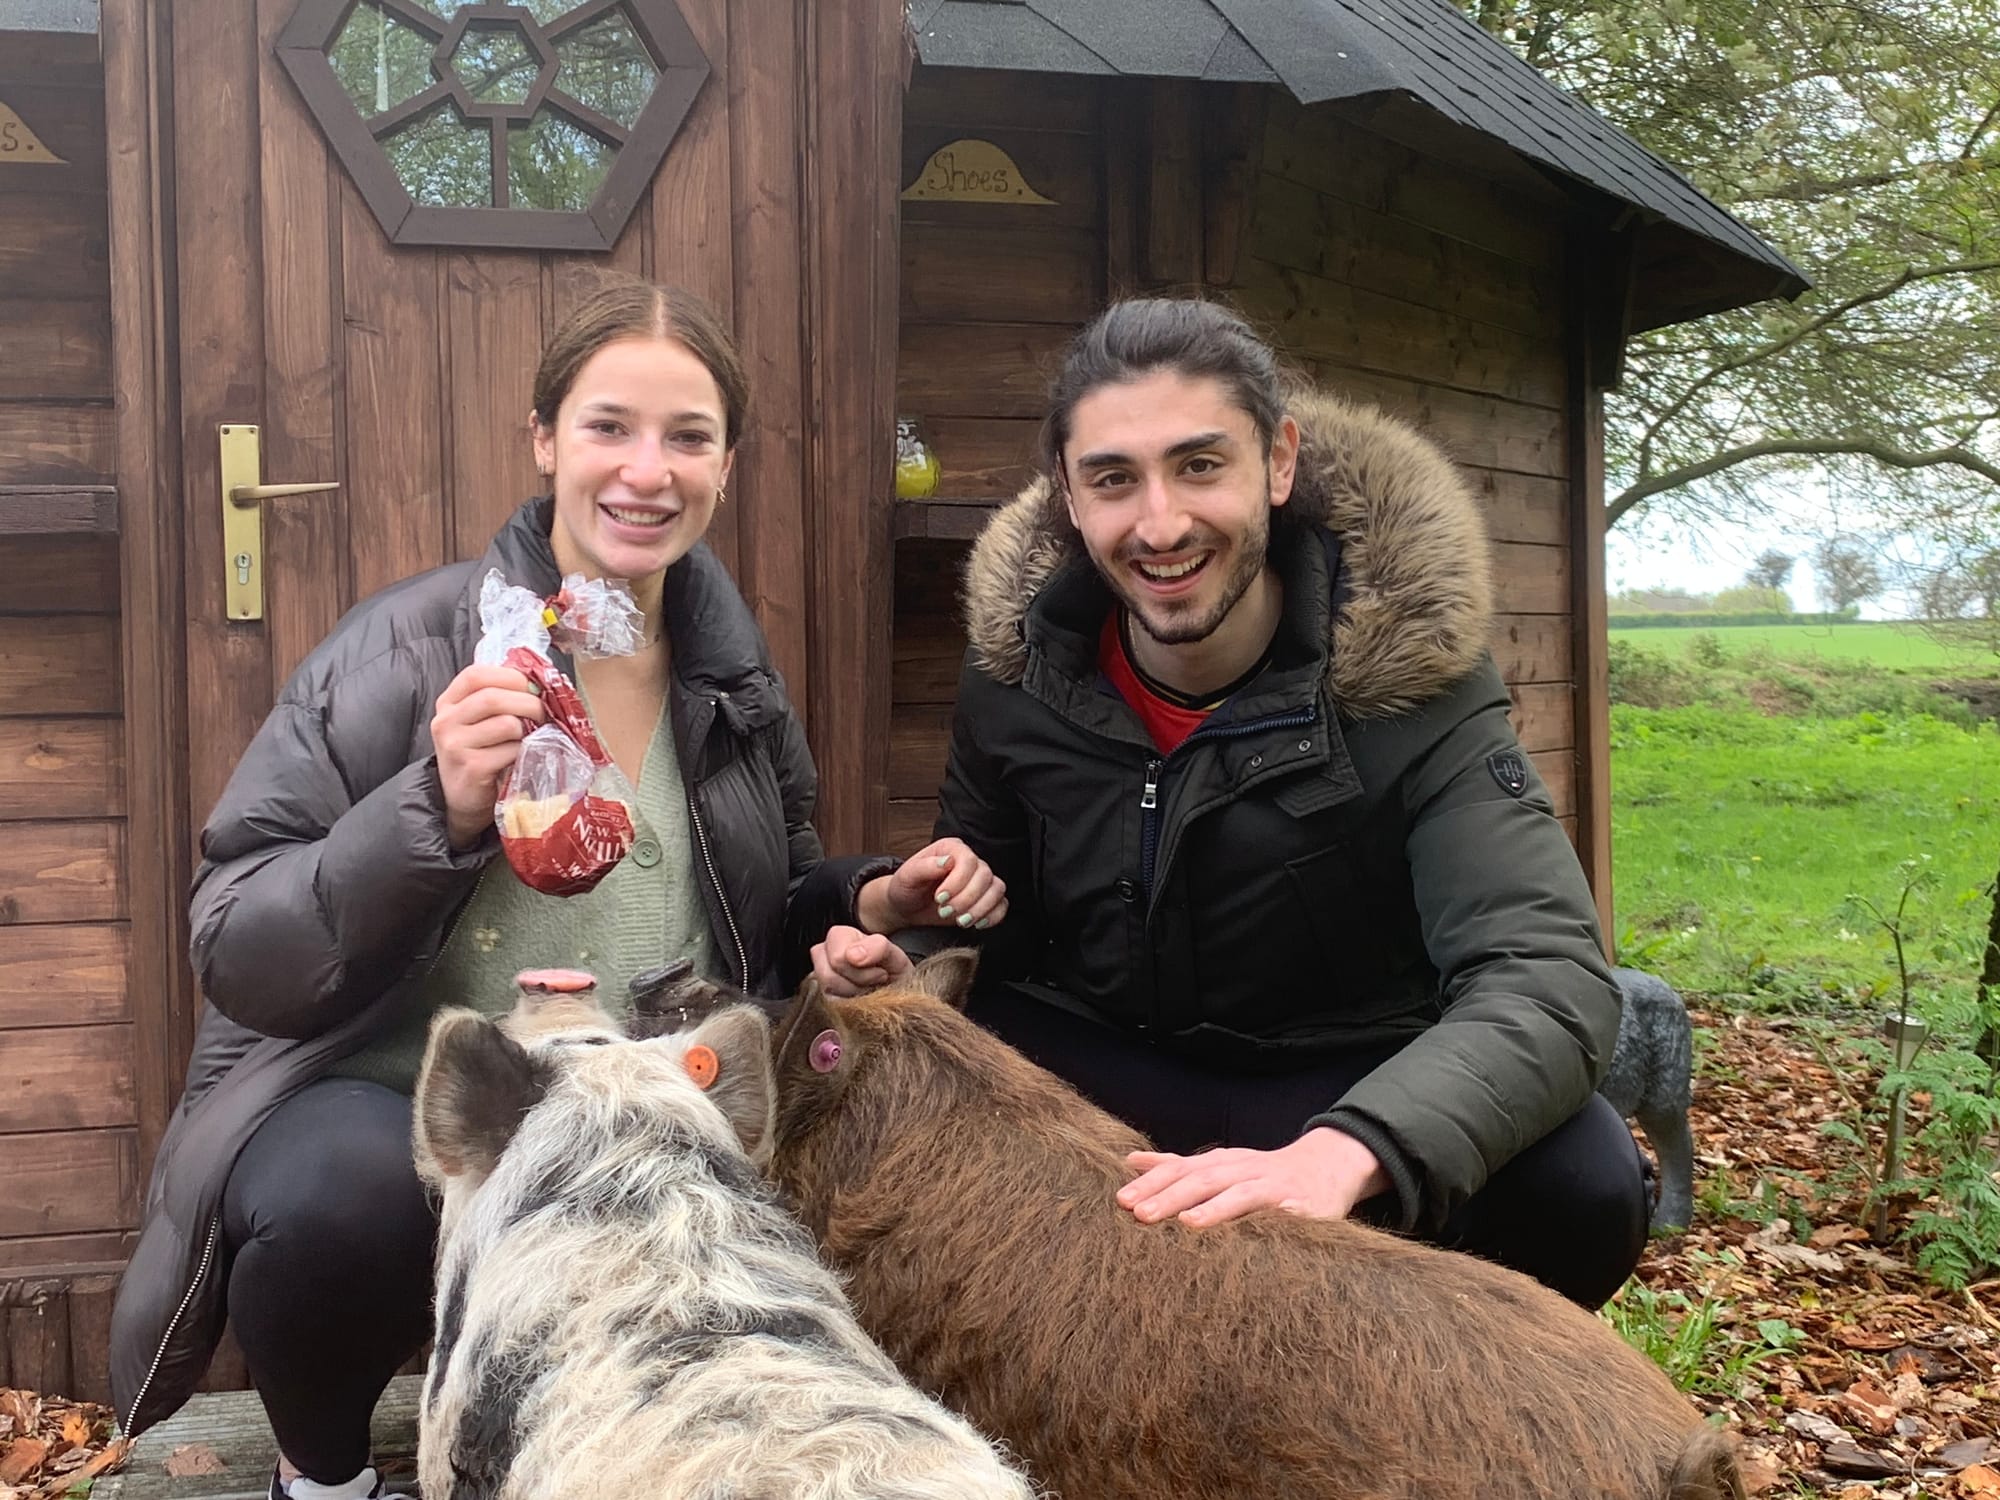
(1174, 622)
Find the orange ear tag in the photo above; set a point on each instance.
(702, 1065)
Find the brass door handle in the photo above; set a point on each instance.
(243, 487)
(250, 494)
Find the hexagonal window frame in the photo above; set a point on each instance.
(682, 65)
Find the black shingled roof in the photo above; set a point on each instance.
(1702, 258)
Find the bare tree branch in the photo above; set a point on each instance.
(1881, 452)
(1985, 124)
(1814, 189)
(1805, 330)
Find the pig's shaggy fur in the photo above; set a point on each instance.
(623, 1309)
(968, 1195)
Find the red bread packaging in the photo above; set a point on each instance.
(565, 811)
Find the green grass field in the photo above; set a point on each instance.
(1739, 841)
(1884, 643)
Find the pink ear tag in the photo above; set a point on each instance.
(825, 1052)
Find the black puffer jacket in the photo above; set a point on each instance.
(1352, 851)
(327, 886)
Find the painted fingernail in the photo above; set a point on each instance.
(944, 911)
(982, 924)
(942, 896)
(942, 860)
(966, 920)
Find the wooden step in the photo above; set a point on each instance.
(232, 1424)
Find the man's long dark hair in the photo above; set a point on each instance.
(1189, 337)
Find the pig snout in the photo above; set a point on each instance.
(555, 999)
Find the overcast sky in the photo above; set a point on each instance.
(1662, 554)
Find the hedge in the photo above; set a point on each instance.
(1668, 620)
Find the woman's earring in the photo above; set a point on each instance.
(721, 493)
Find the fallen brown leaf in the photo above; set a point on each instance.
(1773, 1242)
(1873, 1405)
(1761, 1472)
(1964, 1455)
(107, 1460)
(76, 1428)
(1812, 1425)
(24, 1456)
(194, 1458)
(1861, 1338)
(1851, 1458)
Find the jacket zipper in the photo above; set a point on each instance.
(721, 896)
(187, 1299)
(1149, 826)
(451, 927)
(1149, 798)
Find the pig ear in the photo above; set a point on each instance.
(946, 976)
(806, 1017)
(741, 1040)
(475, 1086)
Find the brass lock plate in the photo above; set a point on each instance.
(242, 525)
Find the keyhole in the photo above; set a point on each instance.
(243, 567)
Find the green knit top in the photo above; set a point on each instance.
(646, 912)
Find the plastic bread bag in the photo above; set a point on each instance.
(564, 811)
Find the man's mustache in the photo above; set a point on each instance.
(1194, 541)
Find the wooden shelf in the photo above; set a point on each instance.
(45, 510)
(953, 518)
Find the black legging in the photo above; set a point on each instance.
(1569, 1211)
(330, 1290)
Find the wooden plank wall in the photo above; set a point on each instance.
(55, 284)
(1426, 288)
(990, 292)
(1402, 278)
(69, 1149)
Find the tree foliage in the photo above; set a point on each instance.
(1847, 573)
(1770, 570)
(1753, 598)
(1863, 139)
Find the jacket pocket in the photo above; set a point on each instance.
(1372, 958)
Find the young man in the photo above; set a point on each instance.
(1280, 880)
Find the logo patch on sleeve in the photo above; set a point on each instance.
(1510, 769)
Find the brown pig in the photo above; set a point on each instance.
(967, 1196)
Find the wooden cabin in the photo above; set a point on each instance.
(348, 225)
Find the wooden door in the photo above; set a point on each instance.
(403, 373)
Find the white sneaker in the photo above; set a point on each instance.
(367, 1485)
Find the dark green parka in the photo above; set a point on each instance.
(1352, 851)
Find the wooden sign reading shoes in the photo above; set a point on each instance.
(971, 171)
(20, 144)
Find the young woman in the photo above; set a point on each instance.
(350, 886)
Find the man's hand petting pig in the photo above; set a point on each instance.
(1321, 1175)
(942, 885)
(482, 716)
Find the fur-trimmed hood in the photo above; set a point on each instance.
(1416, 604)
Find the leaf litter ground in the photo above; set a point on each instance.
(1884, 1384)
(51, 1447)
